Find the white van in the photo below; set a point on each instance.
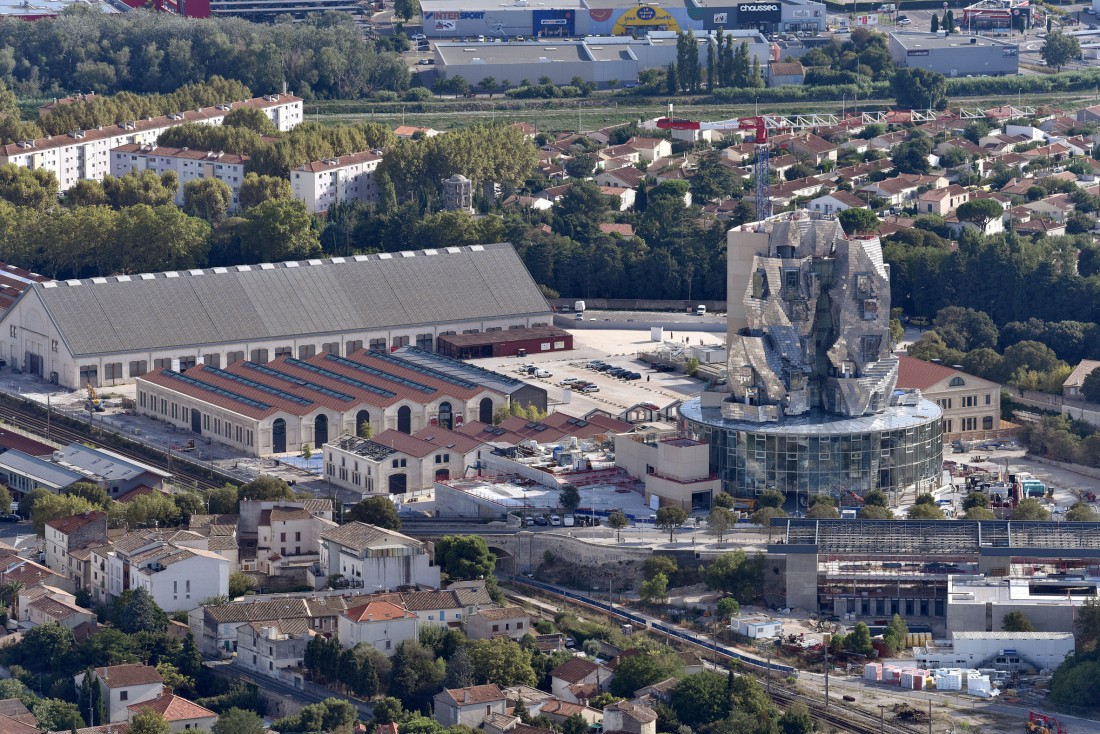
(579, 306)
(700, 310)
(555, 520)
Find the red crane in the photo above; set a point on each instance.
(761, 169)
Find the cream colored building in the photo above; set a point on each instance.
(971, 405)
(86, 154)
(320, 184)
(673, 468)
(187, 164)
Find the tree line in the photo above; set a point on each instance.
(321, 57)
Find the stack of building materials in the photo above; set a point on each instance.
(979, 685)
(918, 639)
(949, 679)
(891, 675)
(872, 671)
(913, 679)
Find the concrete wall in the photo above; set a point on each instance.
(801, 580)
(639, 304)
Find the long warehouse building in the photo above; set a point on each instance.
(107, 331)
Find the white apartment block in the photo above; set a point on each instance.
(189, 165)
(322, 183)
(86, 154)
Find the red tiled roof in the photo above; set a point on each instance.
(19, 442)
(377, 611)
(174, 708)
(476, 694)
(190, 153)
(575, 670)
(73, 523)
(405, 443)
(446, 438)
(131, 674)
(329, 164)
(917, 374)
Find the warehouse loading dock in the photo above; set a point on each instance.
(506, 343)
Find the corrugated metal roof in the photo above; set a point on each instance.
(283, 300)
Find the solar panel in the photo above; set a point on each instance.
(258, 386)
(380, 374)
(216, 390)
(342, 378)
(459, 364)
(423, 370)
(264, 369)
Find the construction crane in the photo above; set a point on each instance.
(761, 169)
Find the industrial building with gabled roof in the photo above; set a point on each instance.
(111, 330)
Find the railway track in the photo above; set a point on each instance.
(32, 418)
(844, 717)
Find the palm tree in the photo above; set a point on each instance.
(9, 591)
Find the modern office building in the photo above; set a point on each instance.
(808, 400)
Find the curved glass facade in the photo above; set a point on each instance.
(896, 451)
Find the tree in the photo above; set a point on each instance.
(575, 724)
(796, 719)
(822, 511)
(670, 518)
(728, 607)
(1090, 386)
(94, 493)
(896, 634)
(222, 500)
(569, 498)
(144, 187)
(489, 84)
(1081, 512)
(135, 611)
(416, 674)
(639, 671)
(925, 508)
(655, 590)
(276, 230)
(207, 198)
(858, 221)
(57, 506)
(47, 646)
(250, 118)
(61, 715)
(378, 511)
(503, 661)
(1016, 622)
(256, 189)
(736, 574)
(859, 641)
(174, 680)
(700, 698)
(919, 88)
(85, 192)
(580, 166)
(980, 513)
(772, 498)
(1029, 509)
(1087, 625)
(935, 23)
(265, 487)
(406, 9)
(617, 521)
(464, 557)
(979, 211)
(238, 721)
(240, 584)
(763, 516)
(949, 21)
(5, 500)
(149, 510)
(1059, 49)
(720, 521)
(876, 497)
(34, 188)
(672, 81)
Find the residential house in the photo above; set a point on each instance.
(1039, 226)
(1071, 388)
(287, 536)
(783, 73)
(468, 706)
(942, 201)
(627, 177)
(650, 149)
(31, 578)
(435, 607)
(512, 622)
(970, 404)
(817, 150)
(1056, 208)
(372, 558)
(56, 608)
(626, 716)
(324, 183)
(624, 195)
(579, 679)
(69, 533)
(181, 714)
(124, 685)
(188, 164)
(407, 132)
(381, 624)
(836, 202)
(265, 648)
(173, 566)
(559, 711)
(221, 534)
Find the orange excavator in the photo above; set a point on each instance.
(1042, 724)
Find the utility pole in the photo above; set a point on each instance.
(929, 715)
(827, 674)
(882, 718)
(769, 669)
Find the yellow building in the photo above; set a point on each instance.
(971, 405)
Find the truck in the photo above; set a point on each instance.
(700, 310)
(579, 306)
(569, 521)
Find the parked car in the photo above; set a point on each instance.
(10, 518)
(540, 520)
(566, 381)
(590, 388)
(418, 37)
(633, 376)
(595, 364)
(904, 20)
(555, 520)
(539, 372)
(424, 62)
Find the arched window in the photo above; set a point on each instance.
(404, 419)
(445, 415)
(485, 411)
(278, 436)
(320, 431)
(362, 418)
(956, 382)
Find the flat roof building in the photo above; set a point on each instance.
(509, 343)
(954, 54)
(1009, 651)
(979, 604)
(111, 330)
